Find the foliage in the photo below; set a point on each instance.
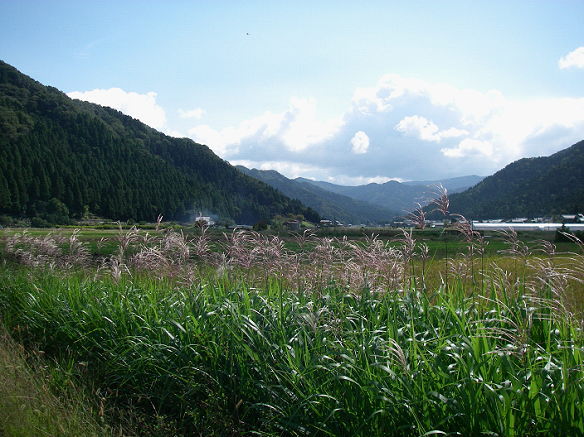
(36, 399)
(328, 204)
(564, 234)
(337, 338)
(93, 158)
(398, 196)
(530, 187)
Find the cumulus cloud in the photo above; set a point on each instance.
(226, 142)
(426, 130)
(394, 91)
(196, 113)
(481, 124)
(469, 146)
(302, 128)
(140, 106)
(293, 130)
(420, 129)
(290, 169)
(360, 143)
(574, 59)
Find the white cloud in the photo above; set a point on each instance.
(291, 170)
(295, 130)
(226, 142)
(360, 180)
(303, 127)
(393, 91)
(360, 143)
(423, 129)
(573, 59)
(452, 133)
(522, 128)
(420, 129)
(196, 113)
(174, 133)
(496, 128)
(469, 146)
(140, 106)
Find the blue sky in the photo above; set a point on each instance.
(345, 91)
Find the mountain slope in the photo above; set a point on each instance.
(328, 204)
(392, 195)
(92, 157)
(397, 196)
(529, 187)
(453, 185)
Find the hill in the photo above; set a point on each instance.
(530, 187)
(401, 197)
(453, 185)
(62, 157)
(327, 203)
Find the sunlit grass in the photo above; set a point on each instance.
(332, 338)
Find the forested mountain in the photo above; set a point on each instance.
(392, 195)
(453, 185)
(55, 151)
(328, 204)
(530, 187)
(397, 196)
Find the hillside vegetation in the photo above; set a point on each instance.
(401, 197)
(336, 338)
(327, 203)
(529, 187)
(61, 157)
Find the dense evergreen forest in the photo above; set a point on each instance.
(62, 158)
(530, 187)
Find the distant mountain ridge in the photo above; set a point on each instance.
(453, 185)
(328, 204)
(61, 154)
(529, 187)
(398, 196)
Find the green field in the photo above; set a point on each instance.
(259, 334)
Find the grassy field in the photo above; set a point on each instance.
(251, 334)
(105, 241)
(34, 401)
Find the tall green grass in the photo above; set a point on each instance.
(220, 357)
(36, 400)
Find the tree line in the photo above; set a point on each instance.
(60, 158)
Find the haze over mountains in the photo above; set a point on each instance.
(368, 204)
(328, 204)
(453, 185)
(398, 196)
(529, 187)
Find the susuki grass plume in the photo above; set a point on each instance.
(418, 217)
(338, 337)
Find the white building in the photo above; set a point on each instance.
(205, 221)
